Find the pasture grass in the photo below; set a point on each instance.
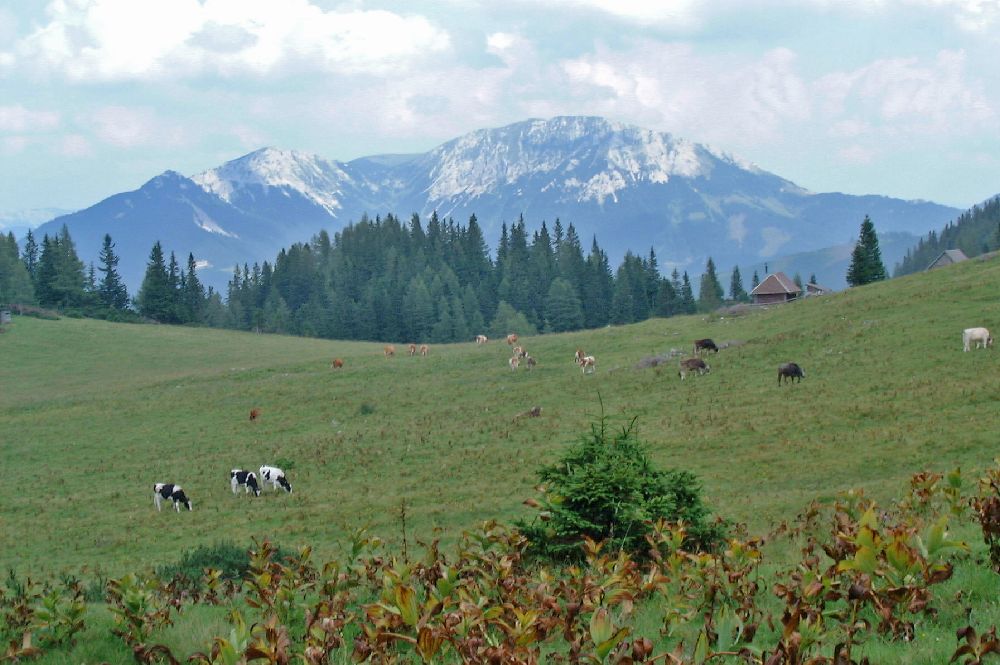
(93, 413)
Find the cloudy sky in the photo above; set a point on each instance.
(896, 97)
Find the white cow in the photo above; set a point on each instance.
(170, 492)
(275, 476)
(977, 336)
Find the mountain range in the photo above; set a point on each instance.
(632, 188)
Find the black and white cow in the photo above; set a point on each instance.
(170, 492)
(275, 476)
(246, 479)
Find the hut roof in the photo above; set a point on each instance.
(778, 283)
(954, 255)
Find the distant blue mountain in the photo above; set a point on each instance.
(632, 188)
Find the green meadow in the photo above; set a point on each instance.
(93, 413)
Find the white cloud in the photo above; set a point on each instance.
(109, 40)
(12, 145)
(857, 154)
(18, 119)
(75, 145)
(126, 127)
(677, 13)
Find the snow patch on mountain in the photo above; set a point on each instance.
(315, 178)
(208, 224)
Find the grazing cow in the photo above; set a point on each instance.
(530, 361)
(254, 414)
(413, 349)
(512, 339)
(275, 476)
(388, 350)
(704, 345)
(245, 479)
(578, 356)
(588, 364)
(979, 336)
(424, 350)
(519, 352)
(170, 492)
(337, 363)
(693, 365)
(790, 371)
(482, 339)
(514, 362)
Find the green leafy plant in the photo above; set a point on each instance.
(605, 488)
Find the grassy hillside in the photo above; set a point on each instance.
(92, 414)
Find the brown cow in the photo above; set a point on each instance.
(337, 363)
(530, 361)
(413, 349)
(519, 352)
(514, 362)
(512, 339)
(693, 365)
(254, 414)
(424, 350)
(578, 356)
(389, 350)
(588, 363)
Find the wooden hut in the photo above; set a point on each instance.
(948, 257)
(776, 288)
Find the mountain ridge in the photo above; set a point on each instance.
(632, 188)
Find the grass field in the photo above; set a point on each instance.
(92, 414)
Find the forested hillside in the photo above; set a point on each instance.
(976, 231)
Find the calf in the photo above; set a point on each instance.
(530, 362)
(693, 365)
(169, 491)
(246, 479)
(424, 350)
(337, 363)
(705, 345)
(790, 371)
(588, 364)
(482, 339)
(514, 362)
(413, 349)
(979, 336)
(512, 339)
(388, 350)
(275, 476)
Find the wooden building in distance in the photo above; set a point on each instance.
(775, 288)
(948, 257)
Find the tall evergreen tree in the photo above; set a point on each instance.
(710, 291)
(156, 298)
(755, 282)
(193, 295)
(111, 290)
(60, 273)
(30, 255)
(688, 305)
(15, 281)
(736, 291)
(866, 259)
(562, 307)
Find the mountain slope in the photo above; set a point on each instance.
(633, 188)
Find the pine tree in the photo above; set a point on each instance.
(562, 307)
(687, 296)
(755, 282)
(798, 280)
(866, 259)
(30, 255)
(111, 290)
(812, 279)
(508, 320)
(736, 291)
(156, 298)
(710, 292)
(15, 281)
(193, 295)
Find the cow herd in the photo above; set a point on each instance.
(237, 478)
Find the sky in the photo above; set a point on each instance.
(893, 97)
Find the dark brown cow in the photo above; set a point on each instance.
(790, 371)
(704, 345)
(254, 414)
(693, 365)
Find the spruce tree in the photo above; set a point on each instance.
(687, 296)
(111, 290)
(866, 259)
(156, 297)
(710, 292)
(30, 255)
(563, 310)
(193, 295)
(755, 282)
(15, 281)
(736, 291)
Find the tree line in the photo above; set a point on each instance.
(377, 279)
(976, 231)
